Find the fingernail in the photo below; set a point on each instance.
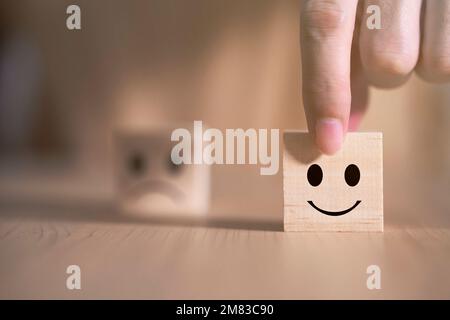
(329, 135)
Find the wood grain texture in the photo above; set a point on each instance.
(151, 261)
(323, 207)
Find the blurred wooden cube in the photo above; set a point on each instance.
(149, 184)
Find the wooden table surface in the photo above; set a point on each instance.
(232, 255)
(120, 258)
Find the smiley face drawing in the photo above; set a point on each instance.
(352, 176)
(339, 193)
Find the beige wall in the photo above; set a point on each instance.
(231, 64)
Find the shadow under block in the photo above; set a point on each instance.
(339, 193)
(149, 184)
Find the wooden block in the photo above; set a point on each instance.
(148, 182)
(342, 193)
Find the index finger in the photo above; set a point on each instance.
(326, 40)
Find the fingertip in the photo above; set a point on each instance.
(329, 135)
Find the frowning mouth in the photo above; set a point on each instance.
(334, 213)
(156, 186)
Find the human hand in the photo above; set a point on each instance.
(341, 57)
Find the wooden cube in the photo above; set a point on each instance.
(341, 193)
(149, 184)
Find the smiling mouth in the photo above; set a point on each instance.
(334, 213)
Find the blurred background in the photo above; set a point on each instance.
(138, 63)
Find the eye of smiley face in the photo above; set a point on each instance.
(137, 164)
(351, 175)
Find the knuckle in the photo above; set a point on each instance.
(436, 67)
(322, 17)
(395, 63)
